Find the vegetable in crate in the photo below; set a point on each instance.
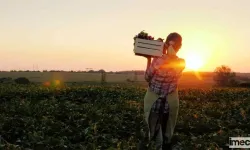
(143, 35)
(146, 36)
(150, 38)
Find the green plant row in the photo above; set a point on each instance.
(111, 117)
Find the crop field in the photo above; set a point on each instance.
(111, 117)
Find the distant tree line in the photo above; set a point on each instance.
(223, 76)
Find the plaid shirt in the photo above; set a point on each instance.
(163, 76)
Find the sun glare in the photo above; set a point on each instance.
(194, 62)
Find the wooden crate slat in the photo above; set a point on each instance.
(149, 41)
(148, 52)
(149, 46)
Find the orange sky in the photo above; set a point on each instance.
(75, 35)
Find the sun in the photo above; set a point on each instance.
(194, 62)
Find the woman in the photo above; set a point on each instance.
(161, 102)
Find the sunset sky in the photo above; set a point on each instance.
(80, 34)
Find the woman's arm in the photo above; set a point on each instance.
(151, 68)
(148, 63)
(148, 69)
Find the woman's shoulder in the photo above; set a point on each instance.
(182, 62)
(181, 59)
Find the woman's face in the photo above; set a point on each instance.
(177, 45)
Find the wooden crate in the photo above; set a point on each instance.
(151, 48)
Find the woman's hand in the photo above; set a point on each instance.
(148, 57)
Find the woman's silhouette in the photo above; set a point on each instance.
(161, 102)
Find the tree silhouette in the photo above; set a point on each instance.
(103, 76)
(224, 76)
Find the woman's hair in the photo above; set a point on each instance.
(176, 37)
